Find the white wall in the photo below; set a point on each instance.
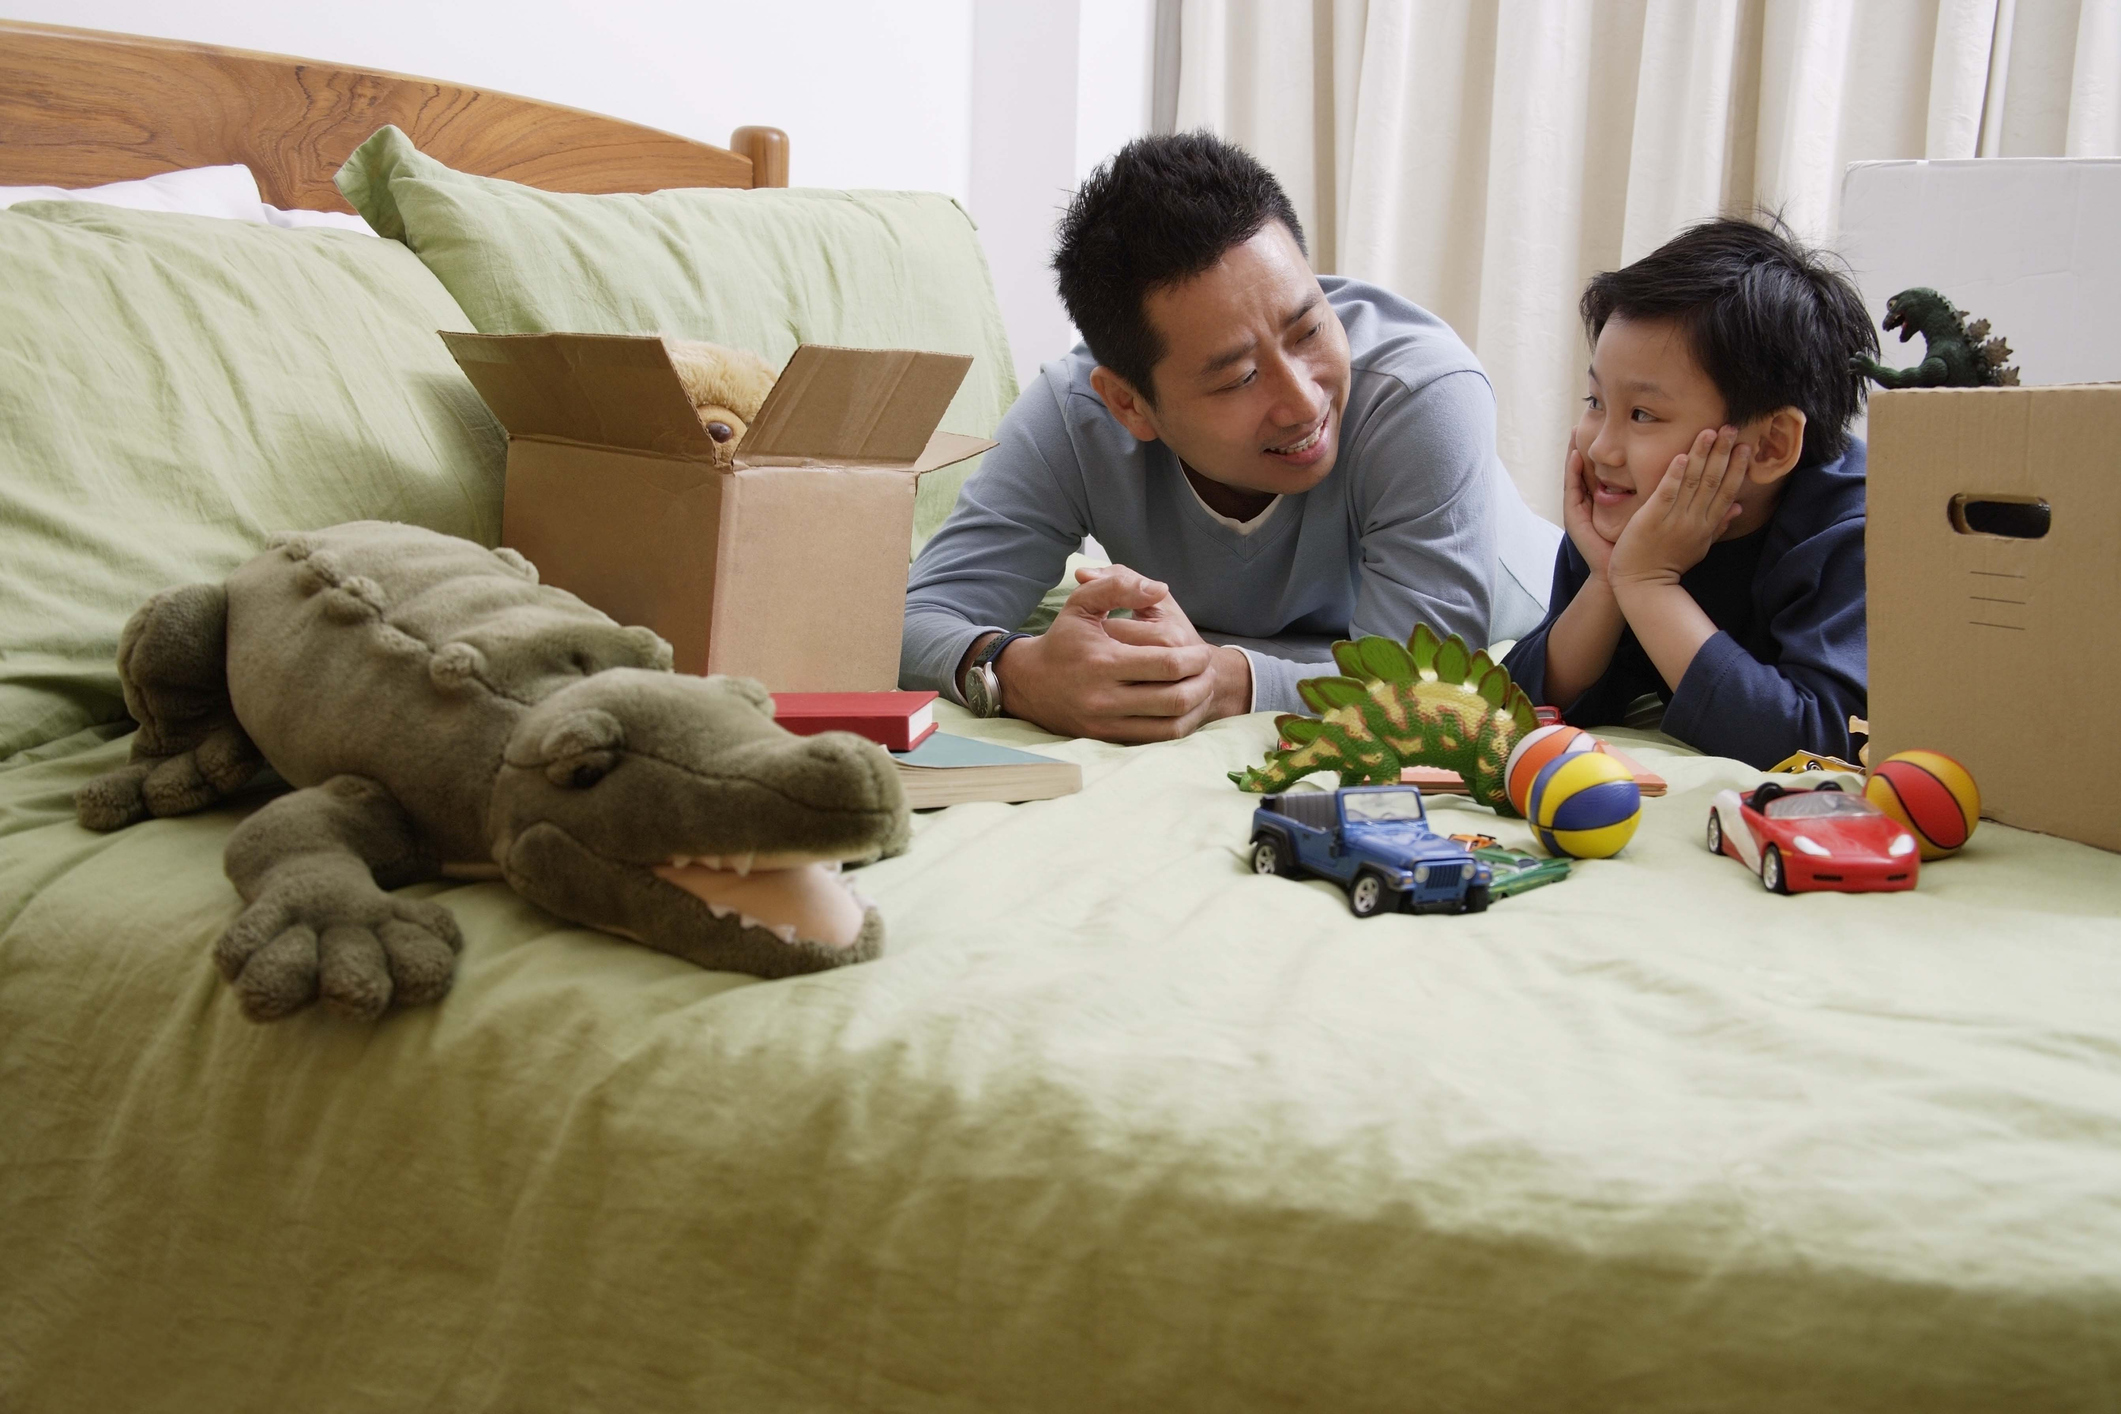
(1024, 84)
(870, 94)
(1058, 86)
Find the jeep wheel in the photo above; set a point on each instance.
(1477, 899)
(1267, 855)
(1370, 894)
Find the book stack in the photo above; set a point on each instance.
(896, 721)
(954, 770)
(934, 767)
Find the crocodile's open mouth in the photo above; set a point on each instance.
(791, 895)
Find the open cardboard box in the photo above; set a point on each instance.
(788, 565)
(1994, 554)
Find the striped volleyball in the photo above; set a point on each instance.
(1931, 794)
(1584, 804)
(1531, 755)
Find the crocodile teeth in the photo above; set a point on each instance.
(786, 932)
(720, 910)
(709, 861)
(680, 861)
(741, 863)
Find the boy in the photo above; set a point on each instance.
(1714, 503)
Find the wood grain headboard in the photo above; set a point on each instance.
(80, 107)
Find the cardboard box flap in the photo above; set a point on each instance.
(869, 407)
(607, 390)
(947, 448)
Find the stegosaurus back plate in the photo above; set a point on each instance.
(1429, 702)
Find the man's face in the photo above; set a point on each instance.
(1254, 376)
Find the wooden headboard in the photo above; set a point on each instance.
(80, 107)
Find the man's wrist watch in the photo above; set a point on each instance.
(983, 687)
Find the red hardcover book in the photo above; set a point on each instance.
(896, 721)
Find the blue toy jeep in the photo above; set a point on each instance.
(1375, 842)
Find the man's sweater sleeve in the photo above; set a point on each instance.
(1729, 703)
(1004, 545)
(1274, 679)
(1427, 514)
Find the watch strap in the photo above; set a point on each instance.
(982, 686)
(994, 650)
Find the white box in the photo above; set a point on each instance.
(2031, 244)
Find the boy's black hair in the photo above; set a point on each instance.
(1770, 321)
(1161, 210)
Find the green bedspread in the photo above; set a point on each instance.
(1113, 1125)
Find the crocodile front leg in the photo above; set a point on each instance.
(313, 868)
(190, 751)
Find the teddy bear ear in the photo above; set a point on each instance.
(749, 689)
(649, 649)
(516, 564)
(581, 748)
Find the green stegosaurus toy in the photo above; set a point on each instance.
(1431, 702)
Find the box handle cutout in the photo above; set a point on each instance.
(2013, 517)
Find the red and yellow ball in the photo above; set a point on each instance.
(1532, 755)
(1931, 794)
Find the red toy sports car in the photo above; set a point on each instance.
(1821, 837)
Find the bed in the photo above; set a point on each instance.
(1114, 1123)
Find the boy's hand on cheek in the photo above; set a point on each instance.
(1694, 504)
(1576, 514)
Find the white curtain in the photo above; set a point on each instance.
(1485, 157)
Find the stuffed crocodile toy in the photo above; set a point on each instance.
(1430, 702)
(444, 714)
(1956, 354)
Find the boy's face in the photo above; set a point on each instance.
(1254, 375)
(1648, 400)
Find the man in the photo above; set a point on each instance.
(1278, 458)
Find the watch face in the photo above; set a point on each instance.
(981, 690)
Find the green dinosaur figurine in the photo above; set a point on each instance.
(1956, 354)
(1433, 702)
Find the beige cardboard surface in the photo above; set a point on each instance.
(2002, 652)
(868, 407)
(792, 572)
(804, 601)
(607, 390)
(631, 533)
(947, 449)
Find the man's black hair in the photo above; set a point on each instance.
(1161, 211)
(1771, 322)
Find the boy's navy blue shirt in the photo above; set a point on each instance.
(1790, 662)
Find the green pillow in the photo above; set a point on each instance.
(761, 270)
(173, 390)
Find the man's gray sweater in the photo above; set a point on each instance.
(1416, 523)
